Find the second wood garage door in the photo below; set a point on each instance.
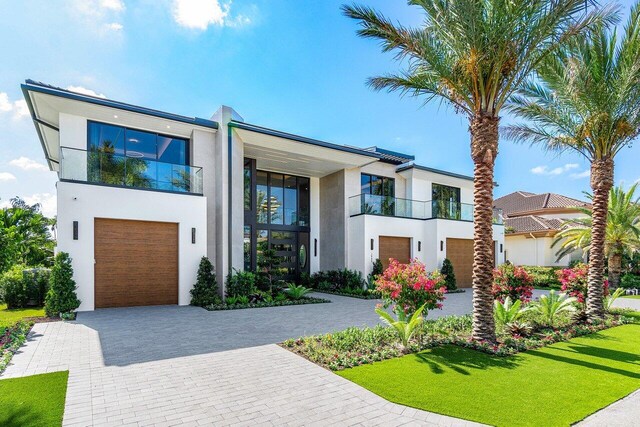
(394, 247)
(460, 253)
(136, 263)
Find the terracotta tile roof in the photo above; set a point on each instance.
(531, 223)
(522, 201)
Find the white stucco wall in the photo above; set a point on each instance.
(84, 203)
(526, 250)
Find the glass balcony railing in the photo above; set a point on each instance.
(370, 204)
(124, 171)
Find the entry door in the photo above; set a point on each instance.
(136, 263)
(394, 247)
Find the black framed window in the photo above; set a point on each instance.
(377, 185)
(445, 201)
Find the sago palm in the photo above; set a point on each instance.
(587, 99)
(473, 54)
(622, 231)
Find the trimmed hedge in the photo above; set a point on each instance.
(365, 294)
(543, 277)
(263, 304)
(22, 286)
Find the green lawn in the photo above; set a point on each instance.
(553, 386)
(33, 401)
(8, 317)
(631, 296)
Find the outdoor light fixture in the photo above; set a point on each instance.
(75, 230)
(193, 235)
(419, 245)
(441, 246)
(371, 244)
(500, 247)
(315, 247)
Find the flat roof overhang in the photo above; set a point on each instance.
(46, 103)
(288, 153)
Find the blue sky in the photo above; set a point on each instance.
(294, 66)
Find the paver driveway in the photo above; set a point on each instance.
(187, 366)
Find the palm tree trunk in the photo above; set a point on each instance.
(615, 269)
(601, 183)
(484, 149)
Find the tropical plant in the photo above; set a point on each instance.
(473, 55)
(508, 311)
(449, 275)
(61, 297)
(240, 283)
(586, 99)
(296, 292)
(551, 305)
(405, 328)
(231, 300)
(630, 281)
(406, 287)
(511, 281)
(25, 235)
(608, 300)
(242, 300)
(575, 283)
(205, 290)
(622, 232)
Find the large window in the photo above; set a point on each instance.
(445, 201)
(134, 158)
(377, 194)
(282, 199)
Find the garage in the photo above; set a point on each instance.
(394, 247)
(460, 253)
(136, 263)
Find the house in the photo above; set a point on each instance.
(532, 222)
(144, 194)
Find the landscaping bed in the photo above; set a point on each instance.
(11, 338)
(557, 385)
(36, 400)
(364, 294)
(262, 304)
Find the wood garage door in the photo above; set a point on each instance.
(136, 263)
(460, 253)
(394, 247)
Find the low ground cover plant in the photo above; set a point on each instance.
(11, 338)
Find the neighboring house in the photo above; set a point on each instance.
(143, 194)
(532, 222)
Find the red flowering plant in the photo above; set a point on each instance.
(575, 282)
(407, 287)
(512, 281)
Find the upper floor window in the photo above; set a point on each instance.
(377, 185)
(135, 158)
(445, 201)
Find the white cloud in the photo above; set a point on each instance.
(27, 164)
(6, 176)
(115, 5)
(584, 174)
(85, 91)
(115, 26)
(199, 14)
(19, 107)
(544, 170)
(48, 202)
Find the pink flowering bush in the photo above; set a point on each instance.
(574, 282)
(407, 287)
(512, 281)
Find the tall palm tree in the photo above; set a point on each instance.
(587, 100)
(622, 232)
(473, 55)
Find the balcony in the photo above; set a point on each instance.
(369, 204)
(119, 170)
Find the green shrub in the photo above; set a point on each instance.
(37, 283)
(630, 281)
(377, 270)
(543, 277)
(296, 292)
(449, 275)
(61, 297)
(14, 291)
(205, 291)
(241, 283)
(338, 280)
(550, 306)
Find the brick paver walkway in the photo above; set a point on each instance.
(201, 382)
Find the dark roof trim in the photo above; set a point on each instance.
(394, 156)
(31, 85)
(298, 138)
(438, 171)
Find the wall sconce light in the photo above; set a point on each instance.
(371, 244)
(193, 235)
(315, 247)
(419, 245)
(75, 230)
(500, 247)
(441, 246)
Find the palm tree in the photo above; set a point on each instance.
(622, 231)
(587, 99)
(473, 55)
